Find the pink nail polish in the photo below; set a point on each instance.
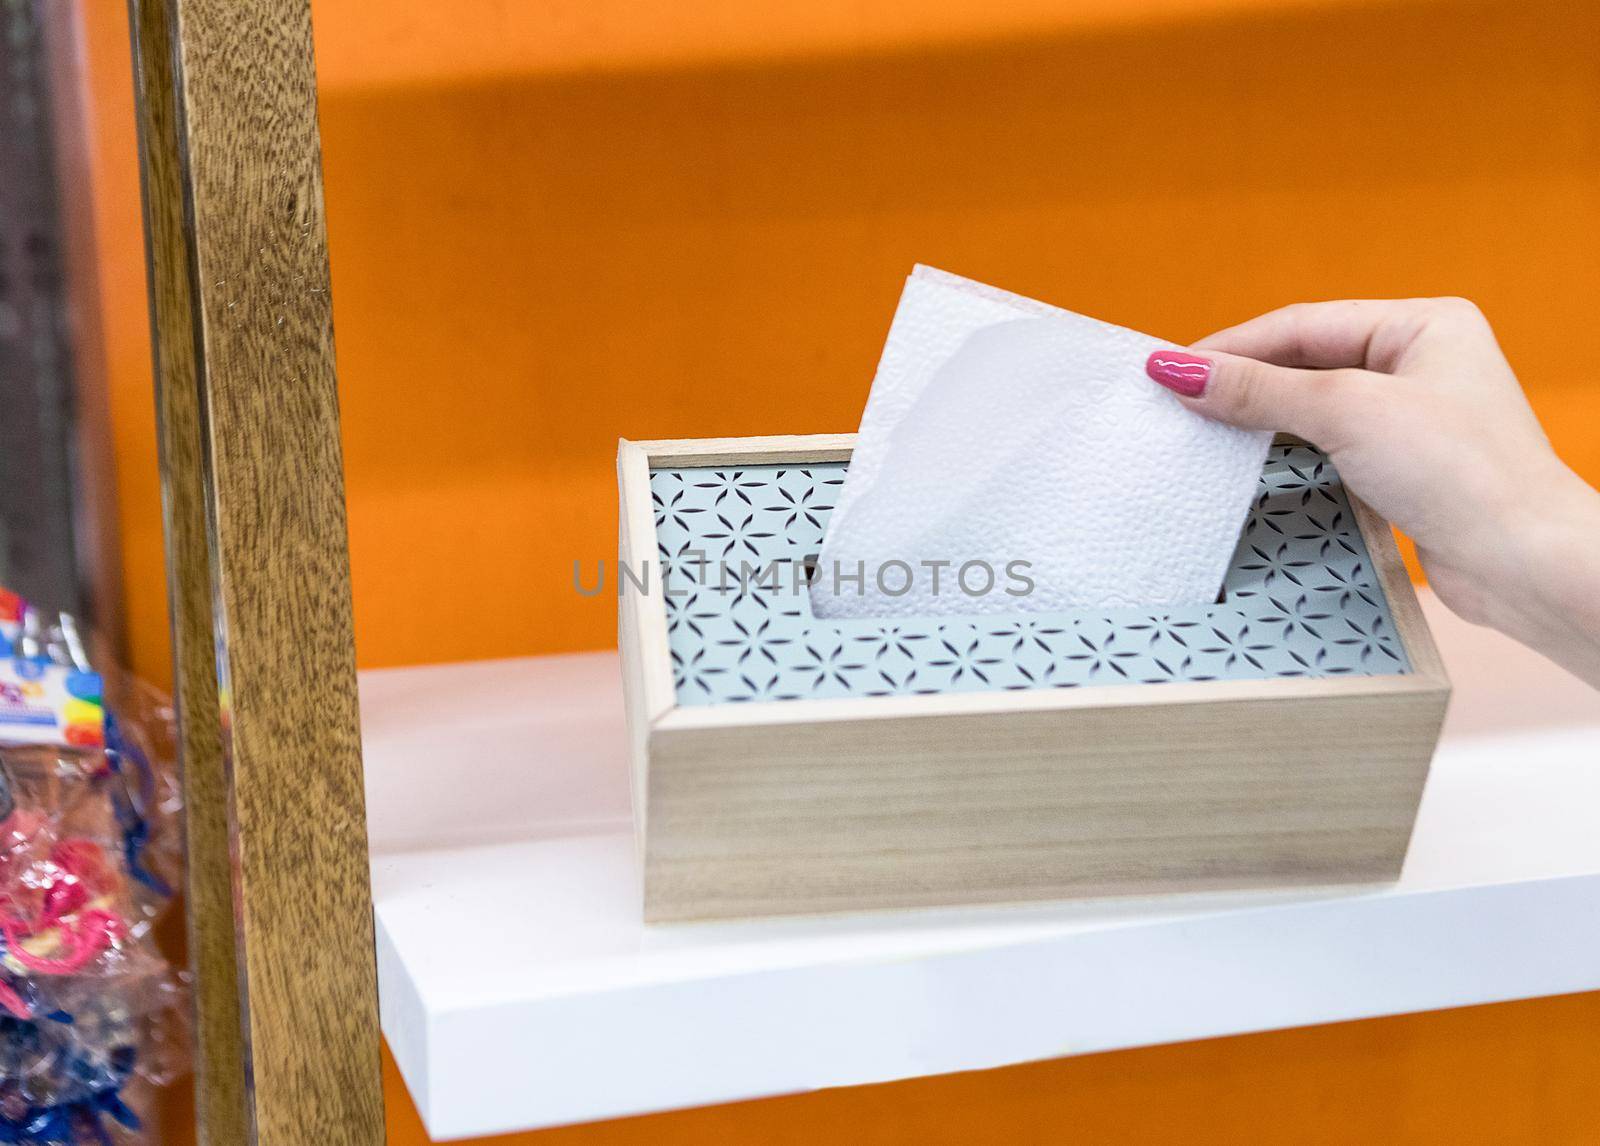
(1185, 374)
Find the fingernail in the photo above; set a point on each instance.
(1185, 374)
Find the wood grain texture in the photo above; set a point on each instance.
(777, 713)
(799, 448)
(213, 956)
(1047, 803)
(906, 801)
(641, 617)
(261, 319)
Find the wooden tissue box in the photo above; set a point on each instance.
(785, 764)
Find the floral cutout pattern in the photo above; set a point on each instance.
(1300, 600)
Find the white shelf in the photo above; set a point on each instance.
(520, 990)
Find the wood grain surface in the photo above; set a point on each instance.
(799, 448)
(245, 338)
(213, 956)
(647, 690)
(1042, 803)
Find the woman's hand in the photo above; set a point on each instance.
(1422, 415)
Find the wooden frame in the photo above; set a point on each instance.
(821, 805)
(279, 888)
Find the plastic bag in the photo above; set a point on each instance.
(92, 1015)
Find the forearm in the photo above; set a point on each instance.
(1551, 598)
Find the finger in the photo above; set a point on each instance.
(1313, 404)
(1369, 333)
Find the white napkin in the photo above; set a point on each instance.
(1014, 457)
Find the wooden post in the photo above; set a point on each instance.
(279, 886)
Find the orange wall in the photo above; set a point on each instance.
(528, 266)
(555, 224)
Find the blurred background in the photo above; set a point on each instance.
(554, 223)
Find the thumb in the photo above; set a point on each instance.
(1311, 404)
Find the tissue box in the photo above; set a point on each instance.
(784, 764)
